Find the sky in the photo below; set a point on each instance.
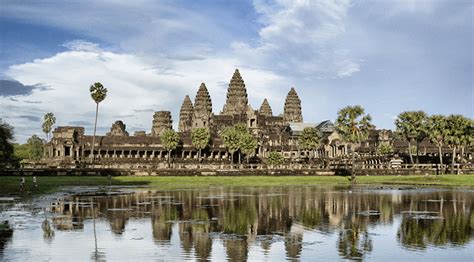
(387, 56)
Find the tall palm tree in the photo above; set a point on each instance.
(200, 138)
(438, 133)
(170, 141)
(98, 94)
(309, 140)
(248, 144)
(353, 125)
(48, 121)
(411, 126)
(458, 127)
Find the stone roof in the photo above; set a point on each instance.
(326, 126)
(265, 108)
(118, 129)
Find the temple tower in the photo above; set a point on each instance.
(292, 110)
(236, 102)
(202, 108)
(118, 129)
(266, 109)
(161, 122)
(186, 115)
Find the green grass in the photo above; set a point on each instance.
(10, 185)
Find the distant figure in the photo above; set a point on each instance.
(109, 180)
(35, 184)
(22, 184)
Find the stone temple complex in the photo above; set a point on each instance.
(280, 133)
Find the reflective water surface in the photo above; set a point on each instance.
(269, 224)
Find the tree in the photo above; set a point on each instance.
(6, 145)
(274, 158)
(353, 126)
(458, 127)
(48, 121)
(411, 126)
(231, 139)
(309, 139)
(200, 139)
(170, 140)
(98, 94)
(32, 150)
(385, 149)
(468, 138)
(248, 144)
(35, 147)
(242, 131)
(438, 133)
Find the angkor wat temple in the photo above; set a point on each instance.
(279, 133)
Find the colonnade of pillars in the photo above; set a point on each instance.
(155, 154)
(333, 151)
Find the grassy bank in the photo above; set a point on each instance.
(10, 185)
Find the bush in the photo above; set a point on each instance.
(274, 158)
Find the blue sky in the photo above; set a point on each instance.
(388, 56)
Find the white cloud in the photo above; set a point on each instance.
(135, 86)
(298, 38)
(81, 45)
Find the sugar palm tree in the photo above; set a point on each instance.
(231, 139)
(48, 121)
(248, 144)
(353, 126)
(411, 126)
(467, 140)
(309, 140)
(200, 139)
(98, 94)
(170, 140)
(438, 133)
(458, 127)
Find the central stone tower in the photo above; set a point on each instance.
(237, 101)
(292, 110)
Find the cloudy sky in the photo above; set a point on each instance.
(388, 56)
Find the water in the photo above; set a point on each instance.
(264, 224)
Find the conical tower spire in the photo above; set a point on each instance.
(186, 115)
(236, 102)
(266, 109)
(292, 110)
(202, 107)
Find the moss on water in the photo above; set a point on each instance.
(11, 185)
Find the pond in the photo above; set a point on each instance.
(269, 223)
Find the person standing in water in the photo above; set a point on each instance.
(22, 184)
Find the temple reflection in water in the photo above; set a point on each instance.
(241, 218)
